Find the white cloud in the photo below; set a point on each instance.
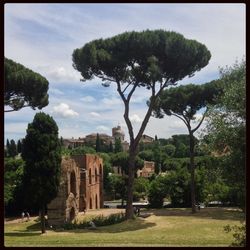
(55, 91)
(135, 118)
(103, 128)
(112, 101)
(15, 127)
(59, 73)
(63, 110)
(140, 98)
(94, 114)
(88, 99)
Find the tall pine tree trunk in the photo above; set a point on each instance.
(192, 171)
(131, 176)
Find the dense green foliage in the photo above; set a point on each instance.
(13, 171)
(42, 155)
(98, 143)
(141, 188)
(239, 234)
(226, 129)
(121, 159)
(19, 146)
(118, 145)
(141, 57)
(82, 150)
(107, 168)
(174, 185)
(116, 186)
(210, 180)
(157, 192)
(23, 87)
(11, 149)
(184, 102)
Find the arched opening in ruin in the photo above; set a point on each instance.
(90, 176)
(72, 214)
(90, 203)
(96, 201)
(73, 183)
(100, 171)
(96, 175)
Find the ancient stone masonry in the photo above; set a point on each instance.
(147, 170)
(81, 188)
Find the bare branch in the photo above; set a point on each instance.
(10, 110)
(132, 91)
(123, 91)
(193, 130)
(126, 112)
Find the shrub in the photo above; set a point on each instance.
(109, 220)
(239, 234)
(99, 221)
(157, 192)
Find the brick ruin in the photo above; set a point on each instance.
(147, 170)
(81, 188)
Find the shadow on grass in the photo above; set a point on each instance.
(22, 234)
(34, 227)
(31, 230)
(130, 225)
(206, 213)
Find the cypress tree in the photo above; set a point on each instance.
(42, 155)
(98, 143)
(19, 146)
(12, 148)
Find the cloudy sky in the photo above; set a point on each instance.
(42, 37)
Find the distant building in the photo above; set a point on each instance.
(146, 139)
(147, 170)
(117, 133)
(125, 146)
(90, 139)
(117, 170)
(73, 143)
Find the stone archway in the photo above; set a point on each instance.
(71, 207)
(73, 183)
(96, 202)
(72, 214)
(90, 203)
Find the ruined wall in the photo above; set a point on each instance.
(94, 182)
(81, 188)
(147, 170)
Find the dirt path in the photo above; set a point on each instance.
(104, 212)
(18, 220)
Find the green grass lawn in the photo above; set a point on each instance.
(164, 227)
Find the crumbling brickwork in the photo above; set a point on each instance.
(147, 170)
(81, 188)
